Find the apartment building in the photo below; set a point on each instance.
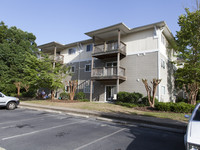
(117, 58)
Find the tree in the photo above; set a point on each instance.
(39, 73)
(15, 44)
(151, 94)
(72, 87)
(187, 46)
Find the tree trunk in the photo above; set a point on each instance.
(155, 83)
(191, 92)
(18, 86)
(52, 95)
(73, 86)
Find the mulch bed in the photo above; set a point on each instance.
(147, 108)
(64, 101)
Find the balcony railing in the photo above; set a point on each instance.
(58, 58)
(106, 48)
(108, 72)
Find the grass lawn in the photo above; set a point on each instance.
(108, 107)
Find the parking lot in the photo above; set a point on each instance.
(25, 129)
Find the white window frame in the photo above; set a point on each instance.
(87, 65)
(163, 40)
(91, 47)
(163, 64)
(163, 90)
(73, 51)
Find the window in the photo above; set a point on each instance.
(162, 90)
(71, 51)
(87, 68)
(89, 48)
(86, 88)
(162, 63)
(163, 39)
(72, 69)
(111, 64)
(67, 89)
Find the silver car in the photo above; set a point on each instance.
(192, 136)
(8, 101)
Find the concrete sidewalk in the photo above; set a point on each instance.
(145, 121)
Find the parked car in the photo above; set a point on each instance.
(8, 101)
(192, 136)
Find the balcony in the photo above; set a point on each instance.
(108, 73)
(108, 50)
(59, 58)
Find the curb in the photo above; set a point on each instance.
(143, 121)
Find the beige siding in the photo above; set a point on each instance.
(78, 56)
(140, 41)
(167, 80)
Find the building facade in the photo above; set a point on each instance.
(117, 58)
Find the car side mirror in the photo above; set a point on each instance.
(187, 116)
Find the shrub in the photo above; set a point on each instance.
(145, 101)
(127, 97)
(31, 93)
(122, 97)
(80, 95)
(180, 107)
(180, 99)
(64, 95)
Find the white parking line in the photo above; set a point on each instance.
(100, 139)
(26, 119)
(29, 133)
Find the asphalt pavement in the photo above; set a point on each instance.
(146, 121)
(28, 129)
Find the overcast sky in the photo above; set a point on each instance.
(66, 21)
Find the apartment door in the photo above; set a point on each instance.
(111, 92)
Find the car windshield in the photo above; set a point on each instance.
(197, 115)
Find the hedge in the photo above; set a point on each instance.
(80, 95)
(127, 97)
(64, 95)
(175, 107)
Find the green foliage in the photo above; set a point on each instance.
(80, 96)
(175, 107)
(40, 74)
(19, 63)
(145, 101)
(15, 44)
(127, 97)
(180, 99)
(64, 95)
(31, 93)
(187, 47)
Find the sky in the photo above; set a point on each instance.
(66, 21)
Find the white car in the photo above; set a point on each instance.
(192, 136)
(8, 101)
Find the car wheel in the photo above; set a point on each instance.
(11, 105)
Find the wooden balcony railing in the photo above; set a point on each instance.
(105, 48)
(59, 58)
(108, 72)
